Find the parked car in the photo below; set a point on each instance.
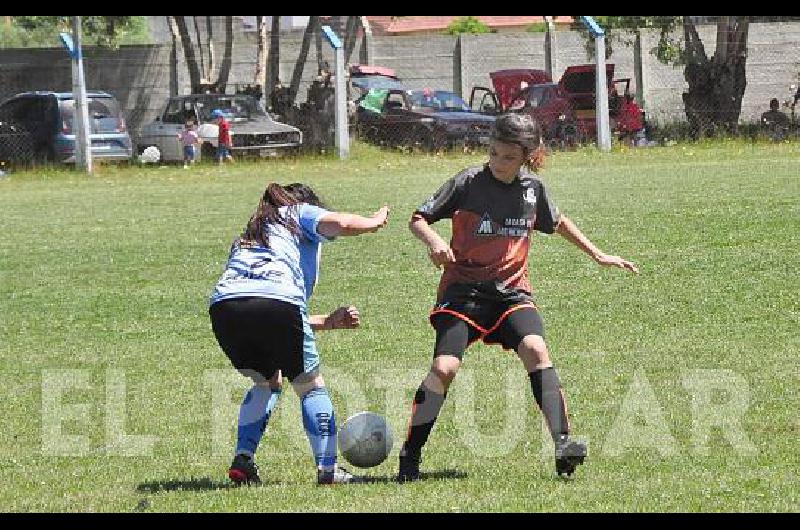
(253, 131)
(48, 120)
(566, 108)
(429, 119)
(364, 78)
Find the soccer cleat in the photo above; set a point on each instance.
(244, 471)
(409, 467)
(569, 455)
(338, 476)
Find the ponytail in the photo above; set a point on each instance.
(268, 213)
(534, 159)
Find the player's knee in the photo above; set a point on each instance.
(533, 352)
(444, 370)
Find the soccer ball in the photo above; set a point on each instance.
(365, 439)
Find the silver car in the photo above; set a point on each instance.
(253, 131)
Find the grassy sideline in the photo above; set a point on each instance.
(103, 292)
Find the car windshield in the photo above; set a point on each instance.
(438, 100)
(104, 114)
(235, 108)
(532, 97)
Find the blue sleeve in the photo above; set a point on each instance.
(308, 218)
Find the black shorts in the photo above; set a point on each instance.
(468, 312)
(262, 335)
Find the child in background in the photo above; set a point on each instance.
(189, 140)
(224, 143)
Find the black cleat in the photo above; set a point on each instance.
(244, 471)
(409, 467)
(569, 455)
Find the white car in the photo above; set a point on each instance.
(253, 131)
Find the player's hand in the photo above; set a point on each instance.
(615, 261)
(381, 217)
(345, 317)
(441, 254)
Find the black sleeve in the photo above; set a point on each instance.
(547, 214)
(444, 203)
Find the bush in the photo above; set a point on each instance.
(467, 25)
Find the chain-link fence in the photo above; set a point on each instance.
(16, 144)
(442, 94)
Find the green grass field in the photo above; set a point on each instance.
(684, 380)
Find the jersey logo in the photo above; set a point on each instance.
(530, 197)
(485, 227)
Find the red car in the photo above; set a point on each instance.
(565, 110)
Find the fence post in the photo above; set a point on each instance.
(458, 69)
(550, 47)
(638, 69)
(340, 91)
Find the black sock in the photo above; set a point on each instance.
(546, 388)
(427, 405)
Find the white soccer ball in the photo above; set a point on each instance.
(150, 155)
(365, 439)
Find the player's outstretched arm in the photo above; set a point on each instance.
(345, 317)
(571, 232)
(348, 224)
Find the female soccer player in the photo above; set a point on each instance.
(485, 291)
(259, 316)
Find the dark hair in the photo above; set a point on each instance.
(524, 131)
(774, 103)
(275, 196)
(303, 193)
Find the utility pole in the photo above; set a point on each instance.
(83, 144)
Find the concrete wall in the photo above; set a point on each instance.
(140, 76)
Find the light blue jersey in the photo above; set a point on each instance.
(287, 270)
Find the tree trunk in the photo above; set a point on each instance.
(173, 57)
(350, 36)
(273, 69)
(210, 46)
(260, 77)
(320, 58)
(713, 100)
(188, 53)
(227, 59)
(205, 73)
(313, 26)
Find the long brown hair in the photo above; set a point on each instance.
(268, 213)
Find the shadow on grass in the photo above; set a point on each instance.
(192, 484)
(207, 484)
(444, 474)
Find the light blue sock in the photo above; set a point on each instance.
(320, 424)
(257, 407)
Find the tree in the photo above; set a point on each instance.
(312, 27)
(260, 77)
(273, 69)
(108, 31)
(716, 84)
(200, 75)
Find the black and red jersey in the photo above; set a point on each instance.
(492, 224)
